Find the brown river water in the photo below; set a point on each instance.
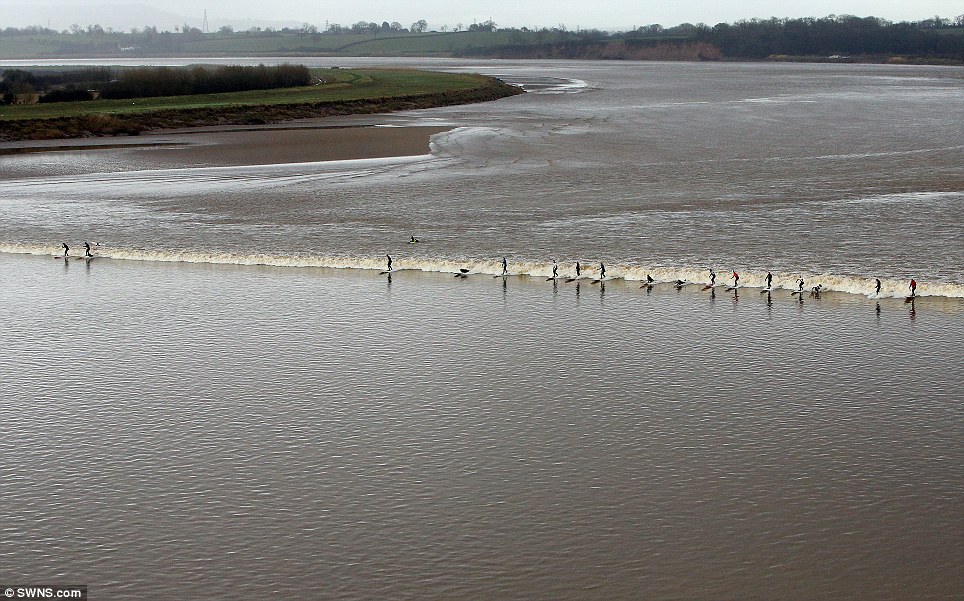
(231, 401)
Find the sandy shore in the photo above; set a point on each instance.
(211, 147)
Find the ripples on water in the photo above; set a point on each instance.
(843, 172)
(214, 431)
(217, 431)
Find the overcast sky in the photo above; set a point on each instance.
(586, 14)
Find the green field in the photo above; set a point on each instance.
(340, 92)
(217, 44)
(344, 85)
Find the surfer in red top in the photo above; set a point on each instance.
(736, 279)
(913, 287)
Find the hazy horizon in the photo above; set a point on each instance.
(613, 15)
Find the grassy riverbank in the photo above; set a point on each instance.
(344, 92)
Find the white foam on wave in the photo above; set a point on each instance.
(858, 285)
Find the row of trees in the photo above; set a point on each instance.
(149, 81)
(756, 38)
(835, 35)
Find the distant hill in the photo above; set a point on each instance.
(843, 38)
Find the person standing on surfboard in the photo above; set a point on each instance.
(800, 283)
(577, 269)
(66, 248)
(602, 271)
(913, 287)
(736, 279)
(769, 279)
(389, 262)
(877, 289)
(87, 249)
(555, 269)
(505, 266)
(712, 277)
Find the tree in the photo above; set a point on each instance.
(420, 26)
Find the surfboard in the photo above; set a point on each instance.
(797, 292)
(729, 288)
(910, 298)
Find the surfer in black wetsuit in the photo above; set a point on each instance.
(577, 269)
(389, 262)
(649, 279)
(413, 240)
(602, 271)
(800, 283)
(87, 249)
(769, 279)
(505, 266)
(66, 248)
(815, 291)
(555, 269)
(712, 277)
(877, 289)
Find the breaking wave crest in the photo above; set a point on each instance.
(860, 285)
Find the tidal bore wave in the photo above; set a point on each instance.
(689, 275)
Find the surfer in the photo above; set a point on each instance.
(650, 280)
(577, 269)
(505, 266)
(913, 286)
(800, 283)
(736, 279)
(877, 289)
(413, 240)
(87, 249)
(66, 248)
(769, 279)
(712, 277)
(815, 291)
(602, 271)
(389, 262)
(680, 284)
(555, 269)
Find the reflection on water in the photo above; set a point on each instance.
(214, 431)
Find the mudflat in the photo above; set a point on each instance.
(216, 147)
